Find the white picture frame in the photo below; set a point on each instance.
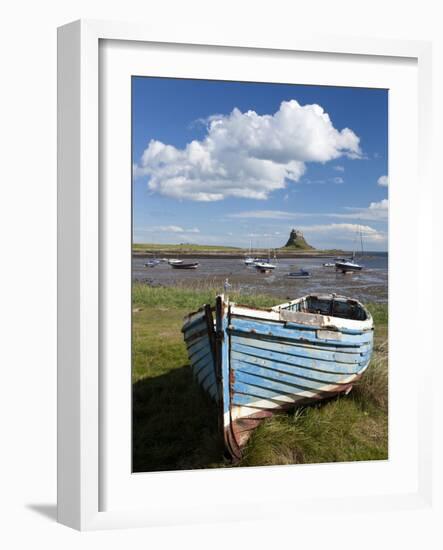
(82, 398)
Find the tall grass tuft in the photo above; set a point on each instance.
(193, 297)
(379, 313)
(373, 385)
(340, 430)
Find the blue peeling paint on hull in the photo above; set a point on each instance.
(256, 362)
(198, 332)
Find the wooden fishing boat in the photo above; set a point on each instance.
(258, 362)
(192, 265)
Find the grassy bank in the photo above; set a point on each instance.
(175, 424)
(182, 248)
(187, 249)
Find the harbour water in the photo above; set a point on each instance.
(368, 285)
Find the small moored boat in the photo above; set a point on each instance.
(350, 265)
(264, 267)
(173, 261)
(347, 266)
(182, 265)
(300, 274)
(258, 362)
(251, 261)
(152, 263)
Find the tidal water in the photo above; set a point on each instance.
(370, 284)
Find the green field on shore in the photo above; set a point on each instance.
(175, 423)
(187, 248)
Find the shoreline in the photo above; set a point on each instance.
(214, 269)
(235, 255)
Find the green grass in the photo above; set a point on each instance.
(184, 247)
(192, 298)
(175, 424)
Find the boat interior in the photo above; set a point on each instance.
(333, 306)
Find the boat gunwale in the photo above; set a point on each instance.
(341, 324)
(188, 321)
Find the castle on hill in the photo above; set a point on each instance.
(297, 240)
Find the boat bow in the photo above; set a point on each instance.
(264, 361)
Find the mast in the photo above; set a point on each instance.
(361, 239)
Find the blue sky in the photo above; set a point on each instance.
(233, 162)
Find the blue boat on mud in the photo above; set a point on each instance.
(255, 362)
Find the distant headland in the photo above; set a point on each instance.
(297, 241)
(295, 247)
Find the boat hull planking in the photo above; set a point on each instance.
(255, 363)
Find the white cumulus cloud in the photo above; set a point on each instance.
(383, 181)
(246, 154)
(376, 211)
(170, 229)
(264, 215)
(381, 206)
(345, 231)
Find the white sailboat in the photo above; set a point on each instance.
(349, 266)
(266, 265)
(346, 266)
(250, 260)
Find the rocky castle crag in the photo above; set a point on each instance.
(297, 241)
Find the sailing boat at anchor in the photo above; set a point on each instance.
(266, 266)
(250, 260)
(349, 266)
